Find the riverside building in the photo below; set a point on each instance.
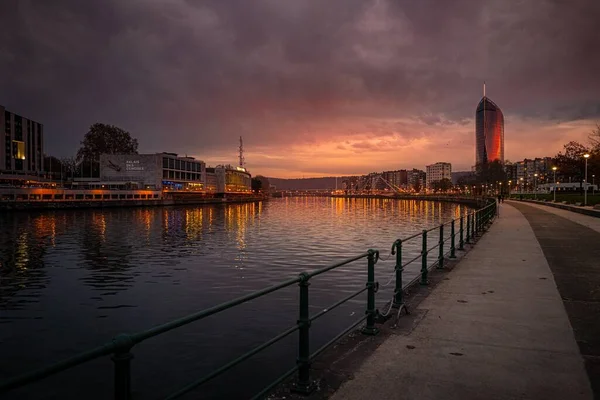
(166, 171)
(438, 171)
(22, 147)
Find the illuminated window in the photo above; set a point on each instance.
(18, 150)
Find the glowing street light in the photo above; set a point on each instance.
(535, 185)
(586, 156)
(554, 186)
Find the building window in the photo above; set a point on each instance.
(165, 173)
(177, 164)
(177, 175)
(171, 163)
(171, 174)
(18, 150)
(165, 162)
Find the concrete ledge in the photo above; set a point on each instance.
(594, 212)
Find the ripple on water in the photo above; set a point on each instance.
(83, 276)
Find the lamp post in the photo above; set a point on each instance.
(593, 187)
(509, 184)
(535, 185)
(521, 189)
(554, 186)
(586, 156)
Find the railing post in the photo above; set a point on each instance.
(468, 228)
(398, 293)
(304, 384)
(452, 242)
(441, 248)
(424, 280)
(476, 223)
(122, 359)
(370, 329)
(461, 240)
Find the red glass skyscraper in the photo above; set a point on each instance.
(489, 132)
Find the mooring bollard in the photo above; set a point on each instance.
(398, 295)
(424, 280)
(304, 384)
(370, 329)
(441, 248)
(452, 243)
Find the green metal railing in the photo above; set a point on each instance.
(120, 347)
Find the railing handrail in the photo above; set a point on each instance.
(122, 344)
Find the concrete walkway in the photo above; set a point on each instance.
(573, 253)
(497, 329)
(585, 220)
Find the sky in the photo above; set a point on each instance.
(315, 88)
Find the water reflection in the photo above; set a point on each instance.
(101, 272)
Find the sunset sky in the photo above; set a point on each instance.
(315, 87)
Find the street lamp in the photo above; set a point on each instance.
(586, 156)
(521, 189)
(593, 187)
(509, 185)
(535, 185)
(554, 186)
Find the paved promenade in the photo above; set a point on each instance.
(497, 329)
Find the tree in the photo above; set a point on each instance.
(490, 172)
(106, 139)
(417, 185)
(70, 166)
(264, 183)
(256, 185)
(570, 161)
(594, 138)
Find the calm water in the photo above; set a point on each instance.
(72, 279)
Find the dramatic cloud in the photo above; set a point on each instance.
(314, 87)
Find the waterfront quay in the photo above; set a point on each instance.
(516, 319)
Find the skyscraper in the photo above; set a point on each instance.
(489, 132)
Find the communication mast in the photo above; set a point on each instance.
(241, 153)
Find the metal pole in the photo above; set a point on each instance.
(461, 241)
(468, 228)
(452, 243)
(585, 188)
(554, 185)
(424, 280)
(304, 384)
(122, 359)
(441, 246)
(397, 248)
(370, 329)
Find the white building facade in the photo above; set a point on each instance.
(437, 172)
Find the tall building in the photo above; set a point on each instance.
(437, 172)
(415, 178)
(23, 149)
(489, 132)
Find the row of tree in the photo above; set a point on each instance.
(100, 139)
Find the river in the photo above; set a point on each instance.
(72, 279)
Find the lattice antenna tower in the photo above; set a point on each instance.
(241, 156)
